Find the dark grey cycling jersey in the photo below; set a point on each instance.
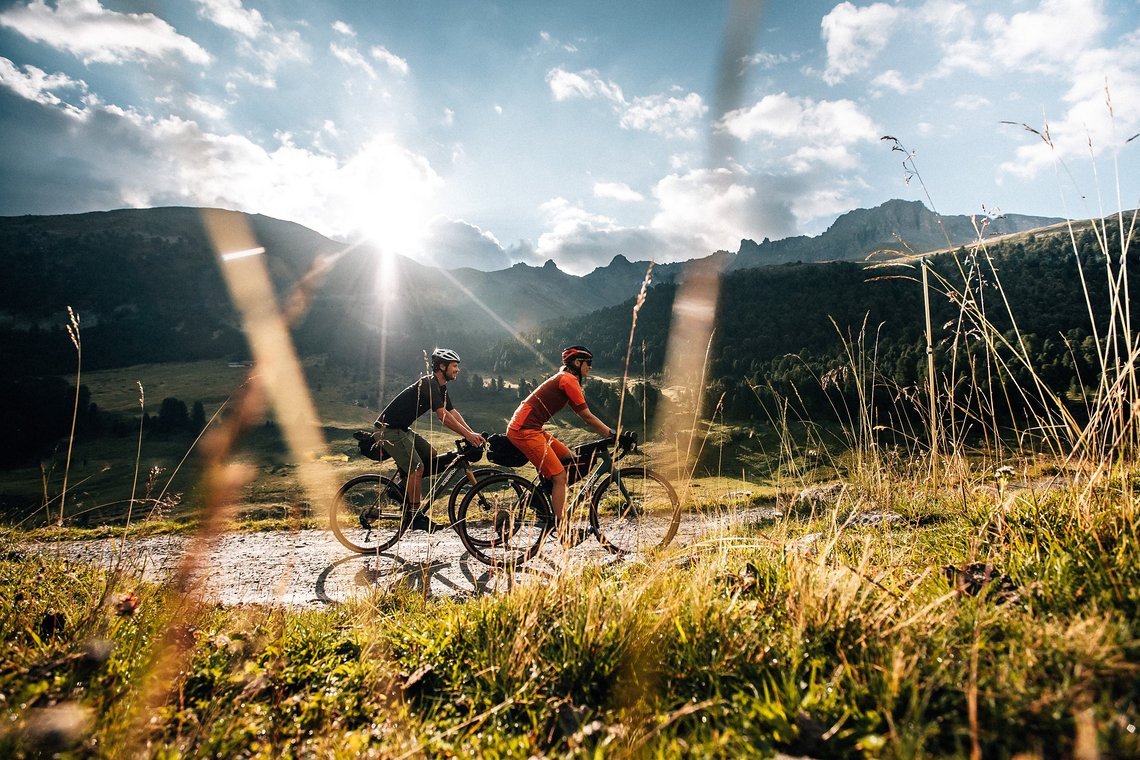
(426, 393)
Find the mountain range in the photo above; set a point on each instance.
(147, 287)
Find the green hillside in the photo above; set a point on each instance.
(780, 329)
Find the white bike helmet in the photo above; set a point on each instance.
(443, 356)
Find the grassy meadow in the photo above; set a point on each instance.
(818, 634)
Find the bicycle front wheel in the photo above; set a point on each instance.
(462, 487)
(498, 521)
(367, 514)
(633, 510)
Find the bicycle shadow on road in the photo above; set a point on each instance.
(438, 577)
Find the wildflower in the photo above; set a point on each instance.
(126, 604)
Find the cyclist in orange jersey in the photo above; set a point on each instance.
(544, 451)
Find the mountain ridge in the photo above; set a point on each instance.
(147, 285)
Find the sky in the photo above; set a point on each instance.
(472, 133)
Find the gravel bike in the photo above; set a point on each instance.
(369, 514)
(505, 518)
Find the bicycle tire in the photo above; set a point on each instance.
(462, 487)
(498, 521)
(636, 511)
(367, 514)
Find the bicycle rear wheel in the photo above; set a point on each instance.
(633, 510)
(498, 520)
(367, 514)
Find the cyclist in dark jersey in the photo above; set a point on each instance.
(544, 451)
(408, 448)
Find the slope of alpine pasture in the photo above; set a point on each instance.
(780, 330)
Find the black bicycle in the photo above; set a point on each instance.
(505, 518)
(369, 514)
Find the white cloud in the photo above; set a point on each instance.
(658, 114)
(855, 37)
(584, 84)
(95, 34)
(38, 86)
(1048, 38)
(697, 213)
(618, 191)
(766, 60)
(578, 240)
(972, 102)
(353, 58)
(392, 61)
(550, 41)
(944, 18)
(206, 108)
(258, 39)
(967, 54)
(671, 117)
(229, 14)
(455, 243)
(711, 209)
(1088, 124)
(341, 27)
(383, 190)
(810, 132)
(895, 81)
(1061, 42)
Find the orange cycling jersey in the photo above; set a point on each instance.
(547, 400)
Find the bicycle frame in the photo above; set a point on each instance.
(438, 482)
(603, 464)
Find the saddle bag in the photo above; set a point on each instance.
(502, 452)
(369, 446)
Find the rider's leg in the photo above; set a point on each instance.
(414, 490)
(547, 454)
(558, 504)
(425, 455)
(409, 451)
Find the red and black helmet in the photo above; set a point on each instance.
(576, 352)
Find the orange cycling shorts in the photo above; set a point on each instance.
(543, 450)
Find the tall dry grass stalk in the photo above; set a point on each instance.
(135, 478)
(629, 346)
(77, 341)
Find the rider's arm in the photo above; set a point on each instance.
(589, 418)
(454, 421)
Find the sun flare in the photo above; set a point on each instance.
(390, 197)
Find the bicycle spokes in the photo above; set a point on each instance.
(634, 510)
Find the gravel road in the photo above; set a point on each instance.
(309, 568)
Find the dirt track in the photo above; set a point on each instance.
(310, 568)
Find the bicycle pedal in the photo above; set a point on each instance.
(422, 522)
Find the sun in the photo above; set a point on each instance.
(389, 197)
